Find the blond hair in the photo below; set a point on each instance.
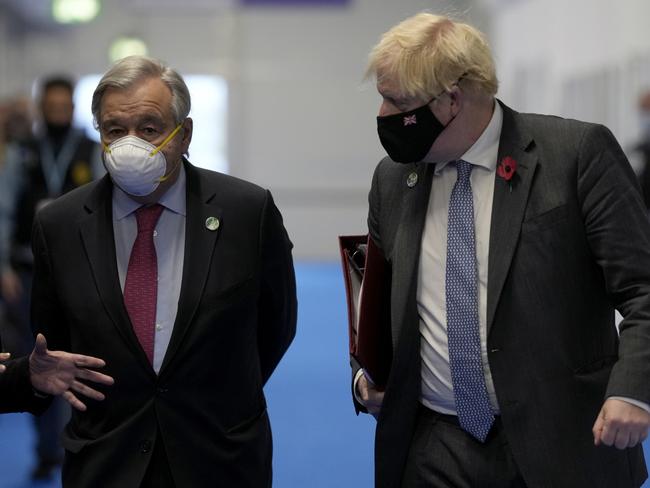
(427, 54)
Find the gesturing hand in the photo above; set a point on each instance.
(621, 424)
(59, 373)
(3, 357)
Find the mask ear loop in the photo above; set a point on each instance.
(167, 139)
(163, 144)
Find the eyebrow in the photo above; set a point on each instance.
(146, 119)
(394, 97)
(151, 119)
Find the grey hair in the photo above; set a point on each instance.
(128, 71)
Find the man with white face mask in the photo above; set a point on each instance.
(181, 279)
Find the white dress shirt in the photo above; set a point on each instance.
(169, 240)
(437, 391)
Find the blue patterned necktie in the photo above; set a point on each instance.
(461, 289)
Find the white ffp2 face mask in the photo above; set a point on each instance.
(135, 165)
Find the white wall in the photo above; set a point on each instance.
(306, 124)
(587, 59)
(301, 121)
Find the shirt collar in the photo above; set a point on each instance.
(485, 151)
(173, 199)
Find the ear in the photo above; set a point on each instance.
(456, 98)
(455, 94)
(186, 129)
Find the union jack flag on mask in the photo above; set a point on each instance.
(410, 120)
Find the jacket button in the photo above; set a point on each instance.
(145, 446)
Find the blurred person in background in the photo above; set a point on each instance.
(15, 129)
(39, 167)
(511, 238)
(15, 124)
(182, 280)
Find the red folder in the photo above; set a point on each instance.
(367, 288)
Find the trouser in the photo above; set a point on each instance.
(49, 426)
(442, 455)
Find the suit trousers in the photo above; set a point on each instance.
(444, 455)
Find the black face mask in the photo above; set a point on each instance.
(57, 131)
(408, 136)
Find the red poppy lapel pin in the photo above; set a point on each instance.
(507, 169)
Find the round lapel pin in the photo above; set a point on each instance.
(412, 180)
(212, 223)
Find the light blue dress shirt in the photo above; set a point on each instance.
(169, 240)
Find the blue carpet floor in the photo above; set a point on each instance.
(319, 442)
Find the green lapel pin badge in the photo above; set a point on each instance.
(412, 180)
(212, 223)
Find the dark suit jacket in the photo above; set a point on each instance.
(16, 394)
(236, 317)
(568, 244)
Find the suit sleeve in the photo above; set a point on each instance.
(16, 394)
(373, 232)
(373, 209)
(46, 313)
(277, 303)
(618, 233)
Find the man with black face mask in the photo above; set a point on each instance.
(510, 239)
(55, 160)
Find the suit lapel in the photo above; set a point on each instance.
(407, 246)
(199, 248)
(99, 243)
(508, 207)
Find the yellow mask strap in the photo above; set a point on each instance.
(167, 139)
(166, 177)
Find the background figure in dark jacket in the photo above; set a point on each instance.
(54, 160)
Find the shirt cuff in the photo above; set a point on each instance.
(634, 402)
(354, 385)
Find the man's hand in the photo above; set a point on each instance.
(621, 424)
(58, 373)
(12, 289)
(370, 397)
(3, 357)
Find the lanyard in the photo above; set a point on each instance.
(55, 168)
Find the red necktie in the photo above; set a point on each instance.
(141, 286)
